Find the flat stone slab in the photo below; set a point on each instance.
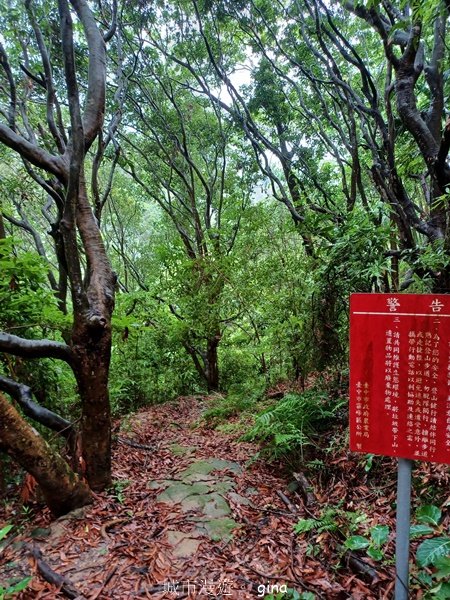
(211, 505)
(201, 492)
(238, 499)
(200, 468)
(184, 544)
(179, 491)
(155, 485)
(179, 450)
(224, 486)
(219, 530)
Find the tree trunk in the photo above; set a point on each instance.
(92, 350)
(327, 346)
(82, 259)
(2, 228)
(91, 343)
(212, 363)
(62, 489)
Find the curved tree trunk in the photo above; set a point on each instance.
(62, 489)
(91, 347)
(83, 263)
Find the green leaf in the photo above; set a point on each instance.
(356, 542)
(430, 550)
(420, 530)
(442, 565)
(425, 579)
(441, 592)
(368, 462)
(5, 530)
(305, 525)
(429, 514)
(379, 535)
(20, 586)
(375, 553)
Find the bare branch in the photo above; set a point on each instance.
(75, 151)
(33, 153)
(25, 348)
(4, 63)
(95, 99)
(23, 395)
(58, 136)
(112, 28)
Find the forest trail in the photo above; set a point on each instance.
(192, 514)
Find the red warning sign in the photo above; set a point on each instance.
(400, 375)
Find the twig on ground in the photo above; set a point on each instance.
(44, 569)
(136, 444)
(286, 501)
(358, 565)
(109, 524)
(306, 489)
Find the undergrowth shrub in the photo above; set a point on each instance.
(291, 424)
(148, 368)
(238, 364)
(240, 398)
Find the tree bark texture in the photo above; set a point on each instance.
(62, 488)
(92, 350)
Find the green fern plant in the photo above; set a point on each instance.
(332, 519)
(240, 398)
(292, 423)
(326, 522)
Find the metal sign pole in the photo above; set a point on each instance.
(403, 526)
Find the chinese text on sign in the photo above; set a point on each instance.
(400, 375)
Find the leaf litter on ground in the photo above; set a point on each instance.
(193, 514)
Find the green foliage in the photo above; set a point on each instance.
(5, 530)
(429, 514)
(290, 594)
(431, 550)
(291, 424)
(378, 537)
(420, 530)
(240, 399)
(238, 363)
(25, 298)
(327, 522)
(347, 523)
(442, 565)
(29, 309)
(13, 588)
(332, 519)
(148, 364)
(118, 488)
(432, 553)
(368, 462)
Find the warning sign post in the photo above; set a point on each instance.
(400, 375)
(400, 391)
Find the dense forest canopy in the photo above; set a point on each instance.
(189, 192)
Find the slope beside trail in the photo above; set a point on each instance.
(192, 514)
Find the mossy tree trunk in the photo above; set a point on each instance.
(63, 490)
